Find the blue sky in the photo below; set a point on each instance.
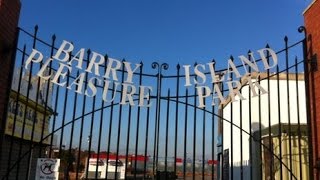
(172, 31)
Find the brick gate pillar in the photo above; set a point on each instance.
(312, 24)
(9, 17)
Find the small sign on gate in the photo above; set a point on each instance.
(47, 168)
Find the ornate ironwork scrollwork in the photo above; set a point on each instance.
(302, 29)
(162, 66)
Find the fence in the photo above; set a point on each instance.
(247, 121)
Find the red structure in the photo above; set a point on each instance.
(121, 157)
(312, 24)
(213, 162)
(9, 17)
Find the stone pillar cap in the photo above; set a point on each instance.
(310, 5)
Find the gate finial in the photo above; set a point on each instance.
(302, 29)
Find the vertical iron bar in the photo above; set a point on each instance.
(222, 127)
(271, 149)
(213, 143)
(128, 139)
(82, 116)
(176, 118)
(298, 117)
(120, 119)
(203, 137)
(155, 137)
(185, 136)
(114, 89)
(241, 143)
(250, 123)
(72, 125)
(91, 128)
(64, 115)
(158, 129)
(101, 117)
(158, 114)
(213, 129)
(138, 124)
(56, 101)
(288, 102)
(260, 139)
(167, 129)
(146, 141)
(213, 136)
(279, 122)
(231, 129)
(194, 130)
(81, 123)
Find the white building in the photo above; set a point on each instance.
(268, 110)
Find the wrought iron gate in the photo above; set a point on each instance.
(265, 136)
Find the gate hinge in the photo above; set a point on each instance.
(313, 63)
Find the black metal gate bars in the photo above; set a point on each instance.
(179, 131)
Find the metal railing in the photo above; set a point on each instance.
(263, 137)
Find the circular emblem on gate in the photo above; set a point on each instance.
(47, 166)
